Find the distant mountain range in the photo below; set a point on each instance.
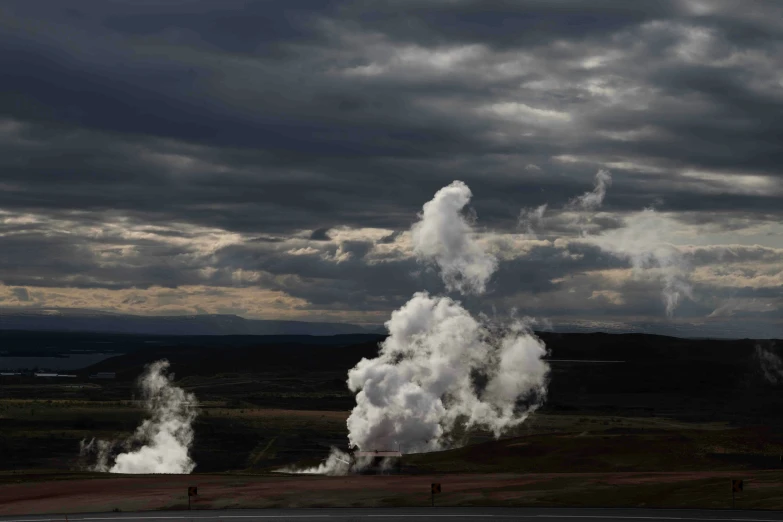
(91, 321)
(713, 329)
(71, 320)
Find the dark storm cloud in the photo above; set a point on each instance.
(502, 23)
(234, 27)
(737, 254)
(35, 261)
(267, 239)
(321, 280)
(273, 120)
(320, 234)
(300, 113)
(333, 275)
(391, 238)
(21, 294)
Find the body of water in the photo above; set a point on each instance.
(75, 361)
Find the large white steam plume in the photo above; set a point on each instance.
(161, 444)
(440, 368)
(443, 236)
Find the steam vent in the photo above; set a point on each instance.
(379, 461)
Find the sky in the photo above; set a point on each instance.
(269, 158)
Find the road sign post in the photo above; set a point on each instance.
(435, 488)
(736, 486)
(192, 492)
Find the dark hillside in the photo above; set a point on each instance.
(641, 374)
(34, 343)
(280, 358)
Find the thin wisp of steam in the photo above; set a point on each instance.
(338, 463)
(771, 365)
(161, 444)
(99, 450)
(586, 205)
(593, 199)
(530, 219)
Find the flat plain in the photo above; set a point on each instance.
(669, 425)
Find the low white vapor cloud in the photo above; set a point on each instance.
(444, 236)
(642, 243)
(161, 444)
(530, 219)
(428, 377)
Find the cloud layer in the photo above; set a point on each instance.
(249, 157)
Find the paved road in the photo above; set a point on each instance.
(410, 514)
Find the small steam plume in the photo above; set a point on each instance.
(594, 199)
(530, 219)
(161, 444)
(589, 202)
(771, 365)
(336, 464)
(443, 236)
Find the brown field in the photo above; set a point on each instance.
(276, 413)
(554, 460)
(41, 494)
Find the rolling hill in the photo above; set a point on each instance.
(75, 320)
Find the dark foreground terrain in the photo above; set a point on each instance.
(394, 514)
(629, 420)
(699, 490)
